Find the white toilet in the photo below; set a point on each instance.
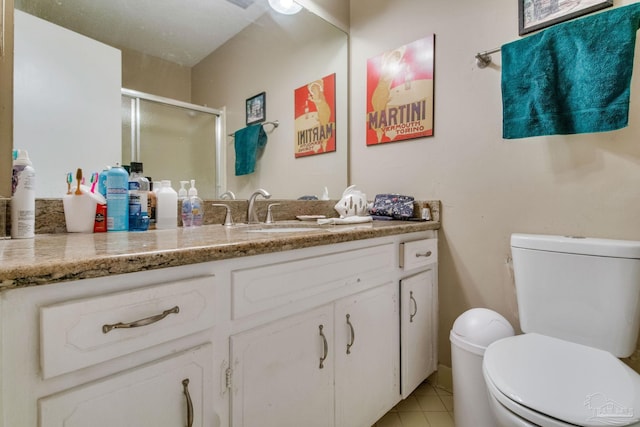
(579, 305)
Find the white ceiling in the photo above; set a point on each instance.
(180, 31)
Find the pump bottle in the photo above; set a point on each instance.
(197, 207)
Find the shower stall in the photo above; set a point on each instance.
(174, 140)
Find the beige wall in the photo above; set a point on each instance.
(277, 63)
(334, 11)
(489, 187)
(149, 74)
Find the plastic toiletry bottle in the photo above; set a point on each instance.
(102, 181)
(23, 197)
(325, 194)
(117, 199)
(152, 203)
(182, 193)
(138, 199)
(100, 224)
(185, 211)
(197, 207)
(167, 207)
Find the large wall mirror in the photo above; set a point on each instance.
(213, 54)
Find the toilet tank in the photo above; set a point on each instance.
(583, 290)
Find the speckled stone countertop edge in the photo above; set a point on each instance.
(54, 258)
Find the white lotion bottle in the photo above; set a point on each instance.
(23, 197)
(166, 207)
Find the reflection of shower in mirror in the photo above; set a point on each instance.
(174, 140)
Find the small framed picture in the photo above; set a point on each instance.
(257, 108)
(537, 14)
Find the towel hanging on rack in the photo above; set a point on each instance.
(571, 78)
(248, 142)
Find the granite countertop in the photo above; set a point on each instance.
(52, 258)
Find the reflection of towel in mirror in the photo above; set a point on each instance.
(571, 78)
(247, 142)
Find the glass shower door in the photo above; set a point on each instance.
(173, 142)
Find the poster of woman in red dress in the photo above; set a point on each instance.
(400, 93)
(315, 119)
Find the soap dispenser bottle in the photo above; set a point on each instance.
(182, 193)
(197, 207)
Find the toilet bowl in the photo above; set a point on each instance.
(537, 380)
(579, 309)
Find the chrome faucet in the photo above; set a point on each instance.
(252, 216)
(228, 195)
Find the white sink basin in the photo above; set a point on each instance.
(283, 230)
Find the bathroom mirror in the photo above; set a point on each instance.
(217, 54)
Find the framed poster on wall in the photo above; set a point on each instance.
(315, 117)
(256, 108)
(536, 14)
(400, 93)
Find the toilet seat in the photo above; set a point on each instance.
(552, 382)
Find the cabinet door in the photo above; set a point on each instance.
(283, 372)
(367, 356)
(419, 319)
(172, 392)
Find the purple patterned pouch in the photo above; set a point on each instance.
(392, 205)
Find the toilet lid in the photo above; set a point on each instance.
(567, 381)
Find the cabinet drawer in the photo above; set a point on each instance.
(84, 332)
(418, 253)
(151, 395)
(267, 287)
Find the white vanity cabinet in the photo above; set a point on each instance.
(175, 391)
(330, 336)
(366, 360)
(323, 353)
(336, 359)
(125, 350)
(419, 308)
(278, 378)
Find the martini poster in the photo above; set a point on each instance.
(400, 93)
(315, 117)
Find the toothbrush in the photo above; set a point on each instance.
(69, 181)
(79, 179)
(94, 181)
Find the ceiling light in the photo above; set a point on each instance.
(287, 7)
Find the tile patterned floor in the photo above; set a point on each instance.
(427, 406)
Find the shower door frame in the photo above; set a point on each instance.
(220, 148)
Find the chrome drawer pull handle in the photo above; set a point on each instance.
(185, 390)
(426, 254)
(141, 322)
(325, 347)
(353, 334)
(415, 304)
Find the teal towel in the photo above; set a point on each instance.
(248, 142)
(571, 78)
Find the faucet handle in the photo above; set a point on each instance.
(228, 221)
(269, 219)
